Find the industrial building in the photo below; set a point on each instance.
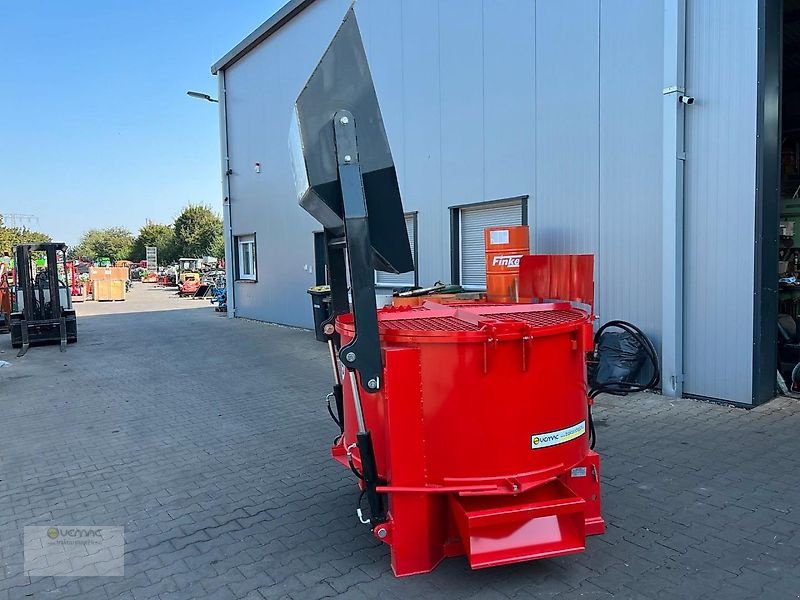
(645, 133)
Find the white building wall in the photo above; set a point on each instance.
(490, 99)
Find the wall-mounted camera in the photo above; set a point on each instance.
(686, 99)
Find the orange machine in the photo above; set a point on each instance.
(505, 246)
(73, 280)
(5, 300)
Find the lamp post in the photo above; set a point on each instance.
(229, 247)
(201, 96)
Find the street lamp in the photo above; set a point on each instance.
(201, 96)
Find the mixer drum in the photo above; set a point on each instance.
(483, 415)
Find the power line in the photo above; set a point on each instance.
(19, 220)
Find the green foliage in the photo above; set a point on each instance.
(10, 236)
(218, 247)
(155, 234)
(113, 242)
(197, 231)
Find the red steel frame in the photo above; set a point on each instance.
(73, 279)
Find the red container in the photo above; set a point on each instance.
(505, 246)
(480, 432)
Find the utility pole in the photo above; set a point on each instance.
(19, 220)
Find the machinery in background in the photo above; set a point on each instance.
(191, 284)
(5, 299)
(189, 268)
(44, 311)
(77, 286)
(186, 276)
(220, 299)
(465, 425)
(788, 347)
(168, 277)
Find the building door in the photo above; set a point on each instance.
(468, 247)
(719, 198)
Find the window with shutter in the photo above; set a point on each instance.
(402, 279)
(472, 222)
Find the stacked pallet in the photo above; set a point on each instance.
(108, 283)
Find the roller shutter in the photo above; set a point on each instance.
(402, 279)
(472, 222)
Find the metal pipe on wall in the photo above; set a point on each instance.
(230, 247)
(674, 157)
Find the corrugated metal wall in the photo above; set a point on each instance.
(514, 97)
(721, 71)
(491, 99)
(566, 196)
(631, 80)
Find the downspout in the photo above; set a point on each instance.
(230, 287)
(674, 157)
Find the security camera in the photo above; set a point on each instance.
(686, 99)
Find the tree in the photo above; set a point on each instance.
(155, 234)
(218, 247)
(197, 230)
(114, 242)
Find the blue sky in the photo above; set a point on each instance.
(96, 127)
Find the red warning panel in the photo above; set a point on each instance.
(557, 277)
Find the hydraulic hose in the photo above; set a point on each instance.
(621, 388)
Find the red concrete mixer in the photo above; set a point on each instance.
(466, 425)
(480, 433)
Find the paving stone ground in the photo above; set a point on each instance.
(207, 440)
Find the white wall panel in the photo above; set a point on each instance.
(461, 92)
(508, 97)
(629, 219)
(567, 127)
(721, 71)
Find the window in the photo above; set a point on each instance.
(246, 257)
(468, 223)
(409, 279)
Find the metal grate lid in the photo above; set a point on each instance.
(424, 323)
(542, 318)
(440, 320)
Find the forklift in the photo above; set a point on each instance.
(44, 311)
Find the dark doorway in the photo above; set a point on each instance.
(788, 317)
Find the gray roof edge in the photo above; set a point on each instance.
(284, 14)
